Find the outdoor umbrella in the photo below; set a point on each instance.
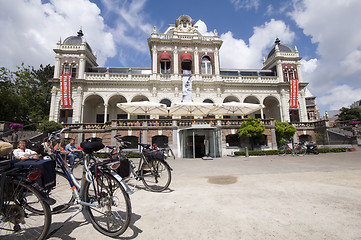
(144, 108)
(191, 109)
(236, 108)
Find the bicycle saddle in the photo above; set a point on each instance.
(90, 147)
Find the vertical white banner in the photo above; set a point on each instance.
(187, 86)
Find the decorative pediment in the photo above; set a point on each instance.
(185, 24)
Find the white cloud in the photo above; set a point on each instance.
(131, 28)
(235, 53)
(247, 4)
(334, 27)
(32, 29)
(309, 66)
(339, 96)
(202, 28)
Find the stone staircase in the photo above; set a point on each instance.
(344, 136)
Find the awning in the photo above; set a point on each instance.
(165, 55)
(186, 56)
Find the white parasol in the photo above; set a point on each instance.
(236, 108)
(191, 109)
(144, 108)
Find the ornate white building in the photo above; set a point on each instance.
(91, 93)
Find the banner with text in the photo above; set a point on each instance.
(65, 90)
(187, 86)
(294, 93)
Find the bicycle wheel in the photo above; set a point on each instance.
(300, 150)
(77, 168)
(18, 220)
(282, 151)
(155, 175)
(113, 215)
(61, 196)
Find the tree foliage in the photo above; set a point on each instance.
(349, 114)
(50, 126)
(251, 128)
(284, 131)
(25, 94)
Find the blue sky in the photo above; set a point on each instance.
(326, 33)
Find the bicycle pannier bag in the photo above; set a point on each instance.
(124, 169)
(47, 168)
(156, 155)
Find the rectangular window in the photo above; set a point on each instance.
(100, 118)
(122, 116)
(294, 116)
(165, 67)
(73, 71)
(66, 116)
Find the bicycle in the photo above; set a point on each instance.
(24, 213)
(102, 195)
(155, 173)
(297, 149)
(168, 152)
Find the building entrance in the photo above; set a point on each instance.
(197, 143)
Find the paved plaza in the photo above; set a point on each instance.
(267, 197)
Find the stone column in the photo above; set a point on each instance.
(175, 61)
(57, 66)
(216, 61)
(196, 61)
(154, 63)
(53, 104)
(81, 67)
(105, 112)
(284, 107)
(78, 108)
(279, 71)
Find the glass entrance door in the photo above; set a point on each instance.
(197, 143)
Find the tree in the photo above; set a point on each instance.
(50, 126)
(25, 94)
(349, 114)
(284, 131)
(251, 128)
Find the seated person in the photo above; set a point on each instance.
(24, 153)
(62, 150)
(73, 152)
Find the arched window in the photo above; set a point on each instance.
(206, 65)
(232, 140)
(166, 102)
(208, 100)
(133, 140)
(160, 140)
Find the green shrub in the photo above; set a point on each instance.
(275, 152)
(328, 150)
(256, 153)
(50, 126)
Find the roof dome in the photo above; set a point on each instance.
(281, 47)
(76, 40)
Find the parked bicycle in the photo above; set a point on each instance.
(102, 195)
(152, 170)
(168, 152)
(298, 149)
(24, 213)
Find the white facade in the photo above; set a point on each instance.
(95, 91)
